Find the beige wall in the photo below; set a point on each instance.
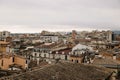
(6, 62)
(20, 61)
(2, 48)
(9, 61)
(75, 59)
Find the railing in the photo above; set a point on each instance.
(113, 66)
(75, 55)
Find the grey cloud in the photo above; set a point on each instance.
(62, 3)
(81, 13)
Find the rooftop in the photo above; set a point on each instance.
(3, 42)
(67, 71)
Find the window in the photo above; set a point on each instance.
(35, 54)
(45, 55)
(53, 56)
(26, 61)
(13, 59)
(39, 55)
(4, 33)
(65, 57)
(72, 60)
(77, 61)
(2, 63)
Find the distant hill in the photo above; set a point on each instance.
(50, 33)
(66, 71)
(116, 32)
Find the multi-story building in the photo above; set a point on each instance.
(4, 35)
(8, 61)
(81, 54)
(109, 36)
(74, 34)
(49, 38)
(4, 47)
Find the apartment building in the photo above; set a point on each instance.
(4, 47)
(8, 61)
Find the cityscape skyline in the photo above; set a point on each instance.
(52, 28)
(59, 39)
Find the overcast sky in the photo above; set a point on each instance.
(59, 15)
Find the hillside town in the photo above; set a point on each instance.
(26, 52)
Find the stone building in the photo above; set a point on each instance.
(8, 61)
